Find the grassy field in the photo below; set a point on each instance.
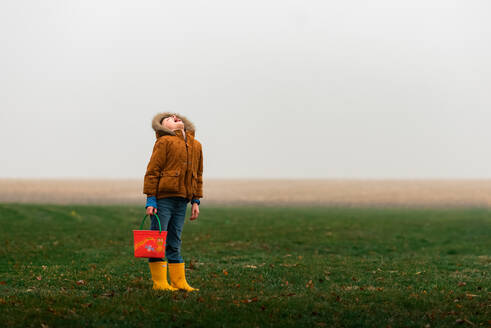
(256, 267)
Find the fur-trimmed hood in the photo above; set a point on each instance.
(160, 130)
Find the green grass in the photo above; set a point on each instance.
(285, 267)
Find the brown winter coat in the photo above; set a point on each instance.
(176, 166)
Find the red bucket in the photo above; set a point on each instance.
(149, 243)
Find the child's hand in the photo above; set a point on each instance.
(151, 210)
(194, 212)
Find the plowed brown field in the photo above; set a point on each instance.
(433, 193)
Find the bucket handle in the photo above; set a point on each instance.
(158, 220)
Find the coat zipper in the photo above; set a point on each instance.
(186, 172)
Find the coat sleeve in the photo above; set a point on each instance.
(154, 167)
(199, 190)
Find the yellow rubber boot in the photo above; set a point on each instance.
(178, 277)
(159, 276)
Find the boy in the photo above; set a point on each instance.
(173, 178)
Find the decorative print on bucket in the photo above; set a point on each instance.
(149, 243)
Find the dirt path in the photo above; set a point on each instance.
(449, 193)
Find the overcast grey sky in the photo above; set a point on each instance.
(279, 89)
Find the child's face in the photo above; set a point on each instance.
(173, 123)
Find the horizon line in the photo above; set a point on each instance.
(262, 178)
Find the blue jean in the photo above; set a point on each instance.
(171, 212)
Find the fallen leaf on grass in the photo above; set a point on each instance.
(464, 320)
(461, 283)
(289, 265)
(81, 282)
(310, 284)
(470, 296)
(250, 266)
(249, 300)
(110, 294)
(137, 280)
(225, 272)
(39, 278)
(52, 311)
(75, 214)
(3, 283)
